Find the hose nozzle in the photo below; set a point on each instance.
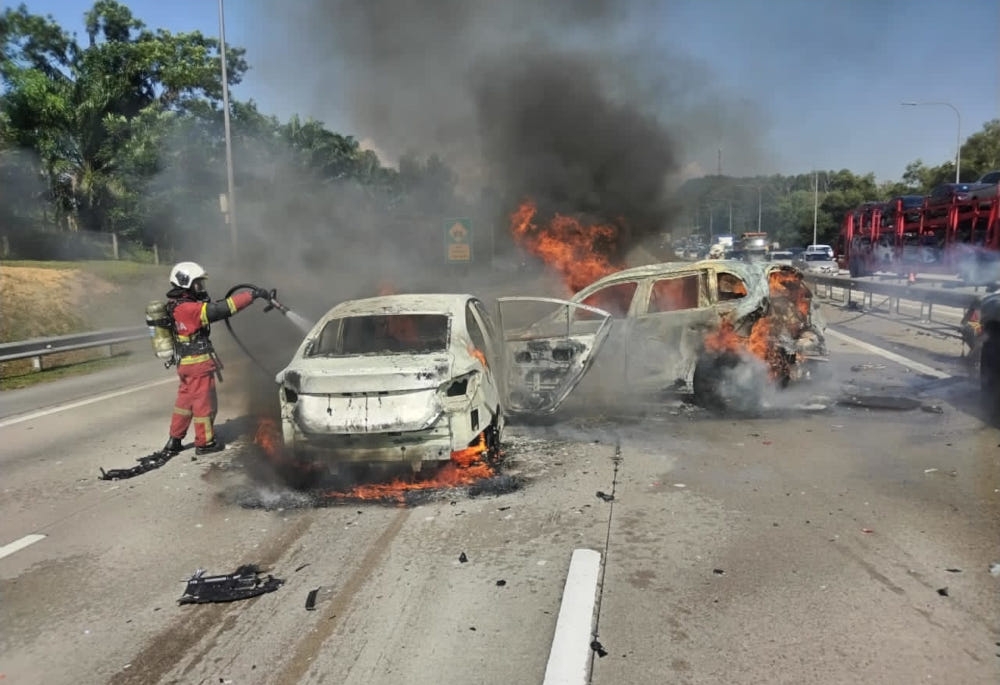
(272, 302)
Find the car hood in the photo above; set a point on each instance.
(365, 374)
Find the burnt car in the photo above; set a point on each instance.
(682, 325)
(985, 344)
(405, 381)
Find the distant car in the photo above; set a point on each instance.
(817, 263)
(780, 257)
(407, 380)
(819, 249)
(991, 177)
(679, 325)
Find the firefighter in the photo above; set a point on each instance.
(192, 312)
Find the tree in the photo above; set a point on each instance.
(74, 104)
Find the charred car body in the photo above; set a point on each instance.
(402, 380)
(685, 325)
(981, 331)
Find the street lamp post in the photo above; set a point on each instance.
(231, 204)
(958, 132)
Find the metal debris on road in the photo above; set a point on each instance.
(943, 591)
(891, 402)
(605, 496)
(718, 571)
(462, 558)
(311, 600)
(953, 570)
(596, 646)
(501, 582)
(243, 583)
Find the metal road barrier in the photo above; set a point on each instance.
(37, 348)
(927, 297)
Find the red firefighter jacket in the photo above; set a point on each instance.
(192, 319)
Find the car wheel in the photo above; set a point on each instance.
(727, 382)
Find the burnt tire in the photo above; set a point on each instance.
(989, 373)
(727, 381)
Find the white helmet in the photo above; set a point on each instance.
(186, 273)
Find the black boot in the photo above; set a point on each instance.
(209, 448)
(172, 447)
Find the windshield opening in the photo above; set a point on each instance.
(383, 334)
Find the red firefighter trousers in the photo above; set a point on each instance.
(197, 402)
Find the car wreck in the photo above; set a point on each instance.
(405, 380)
(680, 325)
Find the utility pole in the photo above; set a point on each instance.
(815, 204)
(231, 203)
(720, 161)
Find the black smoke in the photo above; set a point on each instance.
(522, 99)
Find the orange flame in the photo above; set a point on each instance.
(791, 302)
(571, 247)
(465, 467)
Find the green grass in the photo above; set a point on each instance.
(117, 272)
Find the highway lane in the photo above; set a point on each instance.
(796, 546)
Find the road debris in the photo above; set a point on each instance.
(867, 530)
(597, 647)
(932, 408)
(147, 463)
(241, 584)
(605, 496)
(943, 591)
(462, 558)
(311, 600)
(891, 402)
(995, 570)
(953, 570)
(501, 582)
(718, 571)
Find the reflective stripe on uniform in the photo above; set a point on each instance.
(183, 338)
(204, 314)
(206, 423)
(182, 412)
(195, 359)
(232, 305)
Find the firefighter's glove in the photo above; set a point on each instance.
(262, 294)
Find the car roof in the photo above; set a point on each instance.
(742, 269)
(409, 303)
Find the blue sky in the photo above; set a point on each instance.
(820, 80)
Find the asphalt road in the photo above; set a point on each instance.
(816, 542)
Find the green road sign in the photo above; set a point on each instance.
(458, 240)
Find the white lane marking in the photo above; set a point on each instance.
(892, 356)
(569, 657)
(18, 545)
(82, 403)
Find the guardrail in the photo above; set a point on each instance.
(37, 348)
(926, 297)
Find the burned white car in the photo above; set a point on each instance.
(402, 380)
(684, 325)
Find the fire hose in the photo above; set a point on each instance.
(158, 459)
(272, 303)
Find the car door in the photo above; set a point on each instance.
(484, 348)
(671, 320)
(548, 346)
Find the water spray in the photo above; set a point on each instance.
(299, 321)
